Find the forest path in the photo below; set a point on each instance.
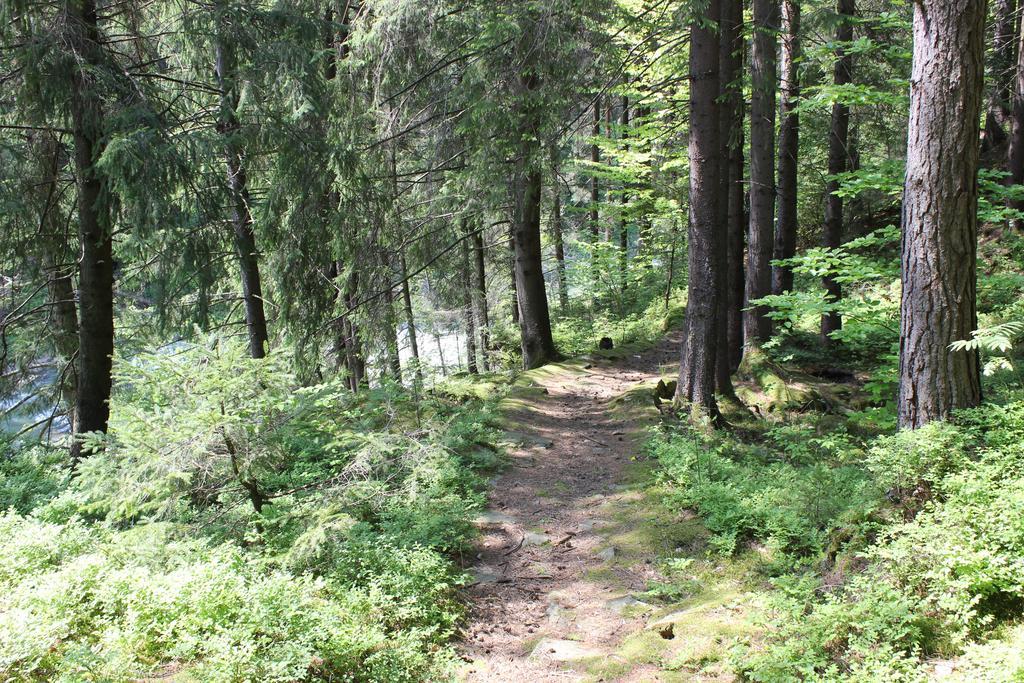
(568, 542)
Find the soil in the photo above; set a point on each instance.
(549, 594)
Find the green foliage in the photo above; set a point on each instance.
(153, 558)
(936, 579)
(790, 494)
(87, 602)
(29, 477)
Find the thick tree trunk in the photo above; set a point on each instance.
(95, 230)
(939, 221)
(534, 318)
(467, 300)
(838, 155)
(410, 318)
(730, 56)
(696, 385)
(760, 240)
(241, 220)
(483, 322)
(789, 147)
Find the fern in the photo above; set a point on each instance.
(996, 338)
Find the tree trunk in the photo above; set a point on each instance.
(696, 385)
(95, 230)
(241, 220)
(623, 225)
(480, 297)
(760, 241)
(513, 288)
(789, 147)
(410, 318)
(939, 221)
(58, 266)
(558, 239)
(595, 158)
(1003, 64)
(353, 344)
(730, 56)
(1016, 147)
(467, 300)
(736, 217)
(391, 335)
(534, 318)
(838, 138)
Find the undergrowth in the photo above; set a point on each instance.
(154, 560)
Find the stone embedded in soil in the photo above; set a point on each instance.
(524, 439)
(557, 615)
(531, 538)
(620, 605)
(484, 575)
(564, 651)
(493, 517)
(606, 554)
(589, 524)
(663, 623)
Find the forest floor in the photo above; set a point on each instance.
(570, 578)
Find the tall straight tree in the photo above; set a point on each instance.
(940, 221)
(95, 224)
(760, 241)
(468, 314)
(483, 322)
(696, 386)
(789, 146)
(1002, 65)
(595, 159)
(229, 126)
(730, 56)
(838, 155)
(1015, 152)
(736, 216)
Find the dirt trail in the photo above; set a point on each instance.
(548, 594)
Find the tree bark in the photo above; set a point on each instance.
(730, 58)
(1016, 146)
(58, 267)
(95, 229)
(534, 318)
(394, 365)
(696, 385)
(838, 155)
(736, 217)
(1003, 65)
(939, 221)
(595, 158)
(760, 241)
(623, 200)
(559, 240)
(467, 300)
(789, 147)
(513, 288)
(237, 182)
(410, 318)
(483, 322)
